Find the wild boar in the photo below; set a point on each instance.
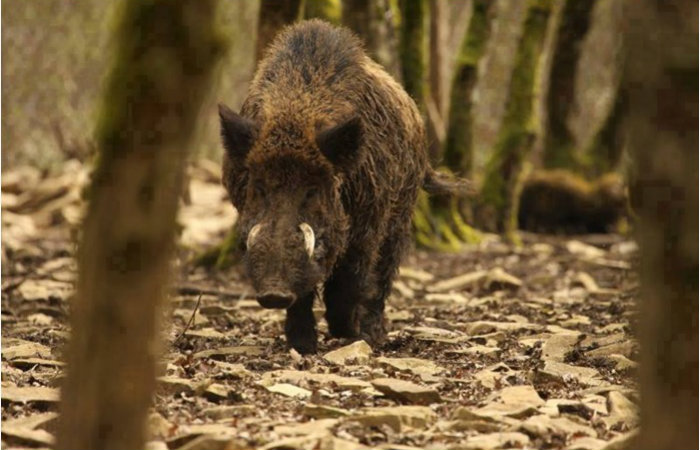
(559, 201)
(324, 163)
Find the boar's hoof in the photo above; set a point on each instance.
(276, 300)
(305, 346)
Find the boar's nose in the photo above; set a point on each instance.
(276, 300)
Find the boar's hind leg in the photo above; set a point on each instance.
(341, 294)
(371, 310)
(300, 326)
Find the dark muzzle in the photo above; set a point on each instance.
(276, 300)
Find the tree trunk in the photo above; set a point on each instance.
(605, 151)
(458, 145)
(660, 82)
(559, 143)
(411, 49)
(273, 16)
(165, 55)
(504, 171)
(373, 21)
(328, 10)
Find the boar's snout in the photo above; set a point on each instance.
(276, 300)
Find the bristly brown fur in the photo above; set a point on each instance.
(559, 201)
(357, 189)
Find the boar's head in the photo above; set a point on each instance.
(285, 182)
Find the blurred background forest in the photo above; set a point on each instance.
(56, 54)
(525, 98)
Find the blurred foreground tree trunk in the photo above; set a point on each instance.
(661, 84)
(573, 24)
(458, 145)
(164, 58)
(373, 21)
(273, 16)
(506, 168)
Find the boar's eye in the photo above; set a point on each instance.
(311, 194)
(259, 191)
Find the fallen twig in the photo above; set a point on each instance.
(190, 321)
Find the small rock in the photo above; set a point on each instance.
(176, 385)
(625, 348)
(544, 425)
(493, 441)
(621, 410)
(250, 350)
(422, 367)
(621, 363)
(30, 394)
(489, 326)
(207, 333)
(25, 349)
(564, 373)
(301, 429)
(415, 274)
(324, 411)
(586, 443)
(489, 376)
(397, 417)
(358, 351)
(458, 282)
(289, 390)
(155, 445)
(406, 391)
(498, 279)
(227, 412)
(475, 350)
(323, 379)
(584, 250)
(558, 346)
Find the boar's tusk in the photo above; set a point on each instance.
(252, 234)
(309, 238)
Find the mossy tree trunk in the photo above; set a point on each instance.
(273, 16)
(328, 10)
(505, 169)
(661, 85)
(165, 55)
(573, 24)
(458, 144)
(412, 49)
(373, 21)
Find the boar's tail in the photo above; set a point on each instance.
(439, 183)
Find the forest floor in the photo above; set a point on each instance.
(492, 347)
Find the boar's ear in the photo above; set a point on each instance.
(341, 143)
(237, 132)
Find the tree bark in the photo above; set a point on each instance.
(660, 82)
(165, 55)
(458, 145)
(559, 142)
(373, 21)
(273, 16)
(411, 49)
(504, 170)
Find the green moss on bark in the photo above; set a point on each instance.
(412, 48)
(503, 170)
(559, 143)
(458, 144)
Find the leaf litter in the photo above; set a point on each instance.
(493, 347)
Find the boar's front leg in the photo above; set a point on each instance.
(300, 326)
(341, 294)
